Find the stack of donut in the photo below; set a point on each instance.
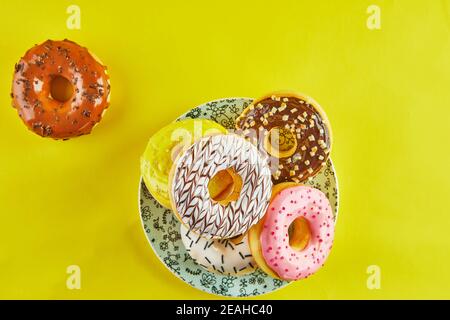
(239, 196)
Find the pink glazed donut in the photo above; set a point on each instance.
(289, 206)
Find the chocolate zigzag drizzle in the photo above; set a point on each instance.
(203, 160)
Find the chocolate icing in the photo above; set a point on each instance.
(299, 116)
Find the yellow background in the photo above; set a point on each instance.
(386, 93)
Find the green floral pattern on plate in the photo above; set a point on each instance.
(163, 229)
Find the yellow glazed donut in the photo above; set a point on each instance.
(163, 148)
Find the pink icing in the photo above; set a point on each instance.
(288, 205)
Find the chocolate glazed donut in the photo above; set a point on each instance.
(293, 130)
(60, 90)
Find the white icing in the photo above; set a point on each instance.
(219, 255)
(202, 161)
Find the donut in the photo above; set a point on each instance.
(233, 211)
(295, 237)
(163, 147)
(223, 256)
(255, 232)
(60, 90)
(293, 130)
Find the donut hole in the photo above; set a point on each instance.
(280, 142)
(299, 234)
(225, 186)
(61, 89)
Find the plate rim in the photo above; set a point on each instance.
(141, 181)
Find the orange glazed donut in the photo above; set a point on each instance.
(60, 90)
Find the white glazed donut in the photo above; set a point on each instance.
(192, 172)
(219, 255)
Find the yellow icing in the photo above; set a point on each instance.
(164, 146)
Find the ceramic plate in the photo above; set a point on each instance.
(163, 229)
